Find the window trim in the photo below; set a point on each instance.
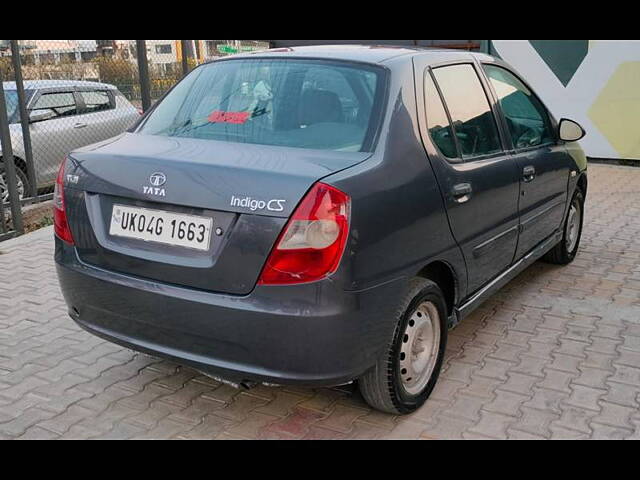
(492, 106)
(553, 124)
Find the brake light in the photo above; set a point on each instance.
(311, 246)
(60, 223)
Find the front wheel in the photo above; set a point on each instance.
(565, 251)
(22, 184)
(406, 372)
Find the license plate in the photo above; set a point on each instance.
(159, 226)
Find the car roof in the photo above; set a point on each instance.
(361, 53)
(41, 84)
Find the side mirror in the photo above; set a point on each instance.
(570, 131)
(41, 115)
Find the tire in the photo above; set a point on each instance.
(565, 251)
(23, 184)
(389, 385)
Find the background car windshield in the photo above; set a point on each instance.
(304, 104)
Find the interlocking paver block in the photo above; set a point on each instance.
(37, 433)
(494, 368)
(606, 432)
(296, 425)
(507, 403)
(64, 421)
(556, 380)
(241, 406)
(341, 418)
(493, 425)
(615, 415)
(535, 422)
(519, 383)
(29, 417)
(252, 426)
(623, 374)
(622, 394)
(166, 428)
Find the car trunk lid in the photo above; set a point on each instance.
(248, 191)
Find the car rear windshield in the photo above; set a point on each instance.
(294, 103)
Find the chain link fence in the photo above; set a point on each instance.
(60, 95)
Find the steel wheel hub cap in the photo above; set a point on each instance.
(419, 350)
(573, 227)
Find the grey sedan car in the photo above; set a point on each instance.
(63, 115)
(318, 216)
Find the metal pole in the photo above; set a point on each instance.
(9, 166)
(143, 72)
(24, 119)
(184, 46)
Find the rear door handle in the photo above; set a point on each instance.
(80, 125)
(529, 173)
(462, 192)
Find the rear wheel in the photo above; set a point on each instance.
(406, 372)
(565, 251)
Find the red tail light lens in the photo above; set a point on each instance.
(60, 224)
(313, 241)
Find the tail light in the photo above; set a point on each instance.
(313, 241)
(60, 223)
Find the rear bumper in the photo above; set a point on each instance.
(314, 334)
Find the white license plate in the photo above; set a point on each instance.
(159, 226)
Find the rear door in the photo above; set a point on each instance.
(52, 139)
(99, 115)
(544, 165)
(478, 179)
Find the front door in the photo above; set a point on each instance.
(53, 138)
(478, 179)
(543, 164)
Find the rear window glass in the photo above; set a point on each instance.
(96, 101)
(294, 103)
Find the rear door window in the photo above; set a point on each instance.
(97, 101)
(473, 121)
(63, 104)
(527, 119)
(295, 103)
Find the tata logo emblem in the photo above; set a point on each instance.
(157, 180)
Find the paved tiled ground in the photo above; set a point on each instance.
(556, 354)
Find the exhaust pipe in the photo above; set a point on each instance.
(243, 385)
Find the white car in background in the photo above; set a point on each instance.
(63, 115)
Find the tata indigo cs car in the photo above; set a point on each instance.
(318, 215)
